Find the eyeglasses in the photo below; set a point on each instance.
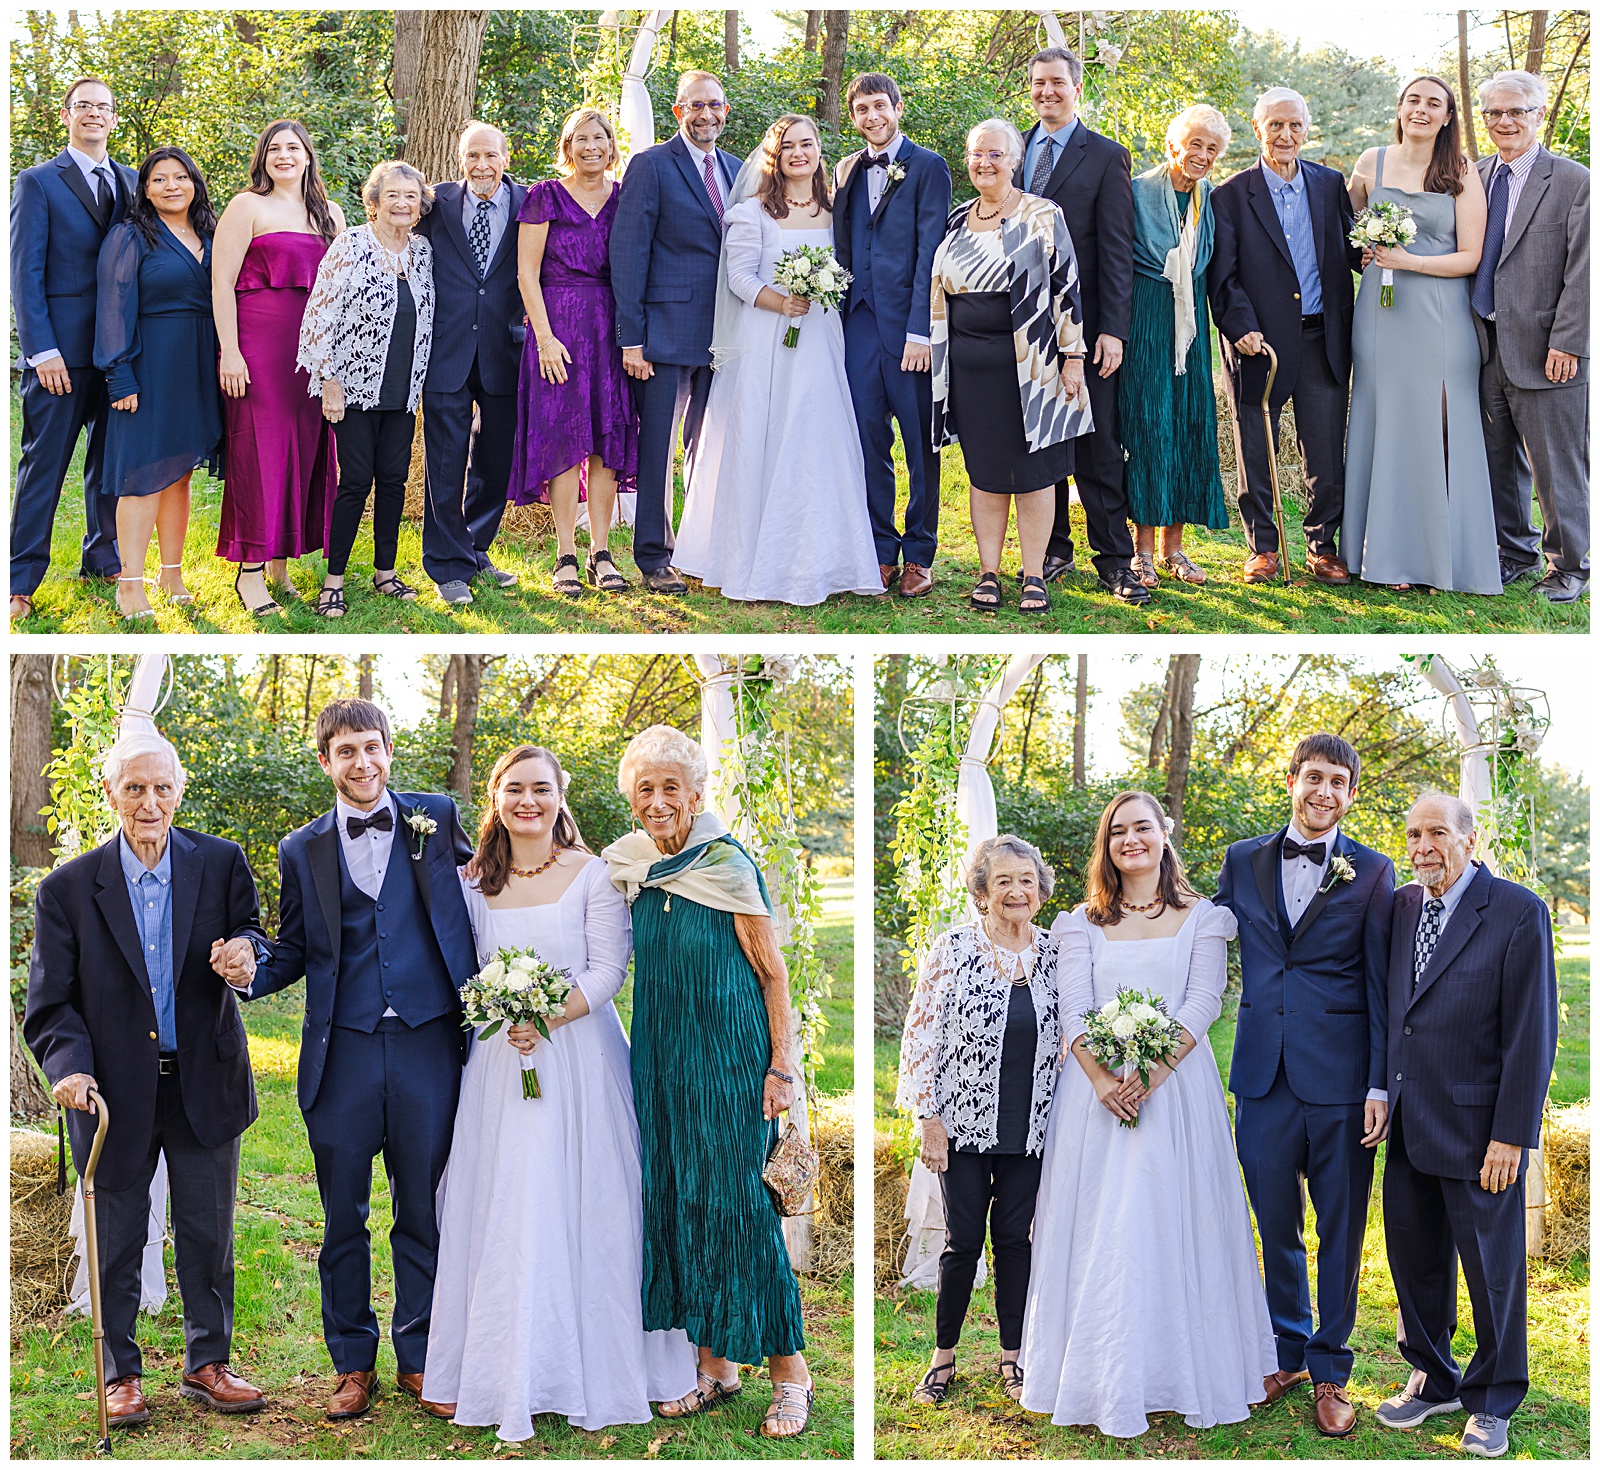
(105, 109)
(704, 106)
(992, 155)
(1516, 114)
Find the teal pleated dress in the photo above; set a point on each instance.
(715, 1263)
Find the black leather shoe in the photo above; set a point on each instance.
(1054, 566)
(1557, 586)
(1121, 584)
(1510, 572)
(665, 580)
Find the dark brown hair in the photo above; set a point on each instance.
(871, 84)
(1447, 169)
(66, 101)
(350, 717)
(311, 186)
(142, 214)
(494, 842)
(774, 193)
(1103, 889)
(1330, 748)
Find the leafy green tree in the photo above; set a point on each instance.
(1561, 837)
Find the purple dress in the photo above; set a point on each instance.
(278, 450)
(562, 424)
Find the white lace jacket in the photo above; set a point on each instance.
(955, 1028)
(350, 317)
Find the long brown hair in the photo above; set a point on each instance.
(1447, 169)
(774, 193)
(494, 842)
(311, 186)
(1103, 890)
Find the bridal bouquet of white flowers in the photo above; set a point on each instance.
(516, 988)
(812, 272)
(1388, 224)
(1133, 1032)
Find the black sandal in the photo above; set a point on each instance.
(567, 586)
(266, 609)
(392, 586)
(1034, 587)
(1011, 1377)
(988, 582)
(607, 581)
(330, 603)
(933, 1385)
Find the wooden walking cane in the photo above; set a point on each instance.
(1272, 461)
(91, 1240)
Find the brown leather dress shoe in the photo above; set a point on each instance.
(1275, 1385)
(352, 1395)
(890, 574)
(915, 581)
(411, 1383)
(125, 1405)
(1260, 566)
(218, 1387)
(1326, 567)
(1335, 1415)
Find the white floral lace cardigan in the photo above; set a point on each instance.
(955, 1029)
(349, 317)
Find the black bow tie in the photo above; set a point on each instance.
(380, 821)
(877, 160)
(1316, 851)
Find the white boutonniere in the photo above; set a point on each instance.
(1340, 870)
(896, 172)
(424, 826)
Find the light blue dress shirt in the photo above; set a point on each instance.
(150, 892)
(499, 213)
(1453, 895)
(1289, 198)
(1057, 139)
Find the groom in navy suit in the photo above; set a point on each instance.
(1309, 1060)
(666, 242)
(372, 915)
(891, 201)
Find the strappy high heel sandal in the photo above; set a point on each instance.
(266, 609)
(138, 613)
(569, 586)
(607, 578)
(706, 1393)
(1011, 1378)
(935, 1384)
(178, 599)
(791, 1405)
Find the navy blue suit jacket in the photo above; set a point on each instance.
(1253, 286)
(55, 254)
(903, 234)
(1315, 996)
(473, 317)
(1471, 1052)
(309, 918)
(665, 247)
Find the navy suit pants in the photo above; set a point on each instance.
(467, 474)
(1097, 470)
(673, 394)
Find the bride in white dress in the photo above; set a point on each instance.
(776, 504)
(536, 1303)
(1145, 1295)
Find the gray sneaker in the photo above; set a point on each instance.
(1406, 1410)
(1485, 1435)
(500, 575)
(457, 594)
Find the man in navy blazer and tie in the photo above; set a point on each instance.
(666, 243)
(60, 213)
(891, 200)
(1472, 1038)
(477, 352)
(1310, 1109)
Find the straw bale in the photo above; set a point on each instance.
(890, 1181)
(833, 1233)
(41, 1248)
(1291, 472)
(1566, 1173)
(530, 523)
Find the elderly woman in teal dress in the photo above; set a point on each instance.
(713, 1067)
(1164, 397)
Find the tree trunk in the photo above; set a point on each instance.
(447, 689)
(469, 683)
(1185, 666)
(1027, 728)
(446, 88)
(813, 28)
(407, 65)
(365, 687)
(1158, 731)
(30, 753)
(1464, 75)
(730, 41)
(1561, 91)
(1536, 32)
(29, 1097)
(837, 25)
(1080, 732)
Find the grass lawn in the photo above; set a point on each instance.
(1223, 605)
(977, 1421)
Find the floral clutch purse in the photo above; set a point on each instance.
(791, 1171)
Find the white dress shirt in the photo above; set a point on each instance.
(366, 856)
(1301, 877)
(92, 172)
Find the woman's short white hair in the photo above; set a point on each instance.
(131, 747)
(1523, 84)
(662, 745)
(1273, 96)
(1005, 845)
(1201, 118)
(1006, 129)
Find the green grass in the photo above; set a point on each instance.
(1223, 605)
(278, 1342)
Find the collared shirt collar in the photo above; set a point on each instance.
(470, 199)
(1058, 135)
(87, 166)
(1453, 894)
(1519, 165)
(1331, 837)
(343, 811)
(134, 870)
(892, 151)
(1277, 182)
(694, 147)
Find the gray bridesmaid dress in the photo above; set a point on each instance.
(1417, 502)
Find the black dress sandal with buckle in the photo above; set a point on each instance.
(603, 572)
(935, 1384)
(1035, 596)
(564, 582)
(266, 609)
(985, 596)
(392, 586)
(1011, 1378)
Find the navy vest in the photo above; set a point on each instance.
(388, 955)
(861, 240)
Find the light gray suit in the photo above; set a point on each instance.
(1541, 286)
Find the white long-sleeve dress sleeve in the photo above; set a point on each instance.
(747, 240)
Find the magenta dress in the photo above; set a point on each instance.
(562, 424)
(279, 450)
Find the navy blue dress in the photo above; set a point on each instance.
(155, 336)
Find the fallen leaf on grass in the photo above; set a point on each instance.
(606, 1441)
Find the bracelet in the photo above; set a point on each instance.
(781, 1076)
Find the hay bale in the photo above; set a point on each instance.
(834, 1223)
(41, 1248)
(890, 1182)
(1291, 471)
(528, 523)
(1566, 1172)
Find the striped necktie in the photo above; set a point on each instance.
(711, 186)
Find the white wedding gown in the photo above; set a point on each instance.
(536, 1305)
(1145, 1295)
(776, 505)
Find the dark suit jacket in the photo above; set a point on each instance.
(1315, 996)
(309, 930)
(665, 247)
(90, 1008)
(1253, 286)
(1470, 1054)
(904, 233)
(55, 253)
(473, 317)
(1092, 185)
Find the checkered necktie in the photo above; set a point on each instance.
(711, 187)
(1043, 166)
(1427, 938)
(478, 236)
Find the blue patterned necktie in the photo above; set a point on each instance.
(478, 236)
(1043, 166)
(1494, 240)
(1427, 938)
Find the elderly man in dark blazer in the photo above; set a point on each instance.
(1472, 1038)
(477, 350)
(1090, 178)
(1530, 301)
(666, 242)
(122, 998)
(60, 214)
(1280, 275)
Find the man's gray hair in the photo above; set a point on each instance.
(477, 125)
(1201, 118)
(1007, 130)
(1273, 96)
(662, 745)
(1005, 845)
(1462, 818)
(1058, 53)
(131, 747)
(1523, 84)
(689, 78)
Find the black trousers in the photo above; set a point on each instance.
(201, 1183)
(468, 472)
(374, 458)
(1097, 469)
(1321, 411)
(989, 1194)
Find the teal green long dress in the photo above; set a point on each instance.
(715, 1263)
